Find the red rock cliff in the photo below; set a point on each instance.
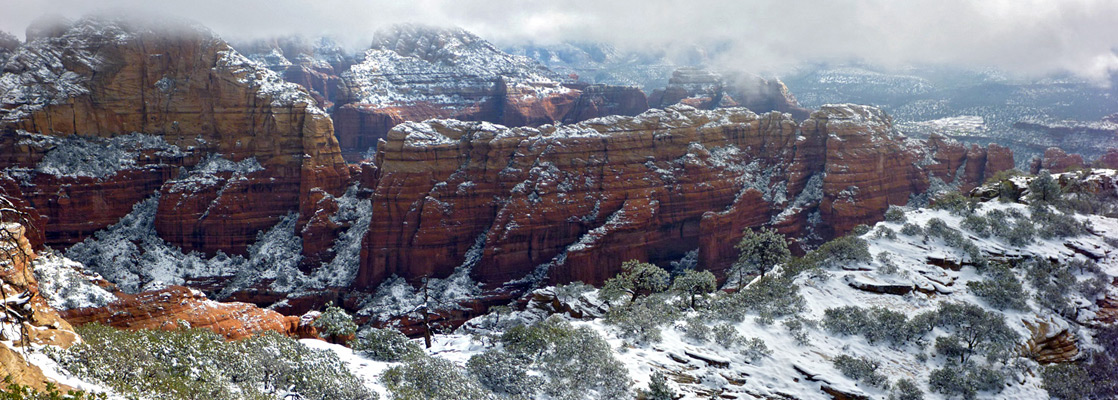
(577, 200)
(188, 89)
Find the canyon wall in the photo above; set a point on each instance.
(577, 200)
(79, 88)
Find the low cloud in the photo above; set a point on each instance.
(1023, 36)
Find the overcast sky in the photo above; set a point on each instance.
(1025, 36)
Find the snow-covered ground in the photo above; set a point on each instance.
(800, 365)
(922, 268)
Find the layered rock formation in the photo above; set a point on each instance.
(966, 167)
(413, 73)
(1056, 160)
(187, 92)
(706, 90)
(313, 64)
(575, 201)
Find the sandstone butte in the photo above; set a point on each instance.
(564, 203)
(190, 89)
(707, 90)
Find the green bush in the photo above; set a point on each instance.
(760, 252)
(573, 363)
(384, 345)
(895, 215)
(1001, 290)
(693, 284)
(861, 369)
(906, 389)
(696, 330)
(1068, 382)
(980, 331)
(335, 324)
(1055, 224)
(965, 380)
(641, 321)
(755, 349)
(883, 231)
(423, 377)
(1043, 189)
(876, 324)
(955, 203)
(888, 266)
(504, 374)
(658, 388)
(912, 230)
(726, 336)
(196, 363)
(840, 252)
(770, 297)
(1052, 282)
(977, 224)
(15, 391)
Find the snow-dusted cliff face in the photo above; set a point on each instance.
(414, 73)
(450, 67)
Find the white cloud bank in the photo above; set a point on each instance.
(1024, 36)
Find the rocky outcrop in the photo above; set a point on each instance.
(316, 65)
(575, 201)
(604, 100)
(1049, 343)
(954, 163)
(1109, 160)
(8, 44)
(706, 90)
(101, 80)
(41, 324)
(168, 308)
(1056, 160)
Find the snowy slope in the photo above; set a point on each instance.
(800, 360)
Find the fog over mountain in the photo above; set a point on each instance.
(1031, 37)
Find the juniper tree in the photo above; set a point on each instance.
(694, 283)
(977, 330)
(636, 278)
(335, 324)
(1044, 190)
(761, 251)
